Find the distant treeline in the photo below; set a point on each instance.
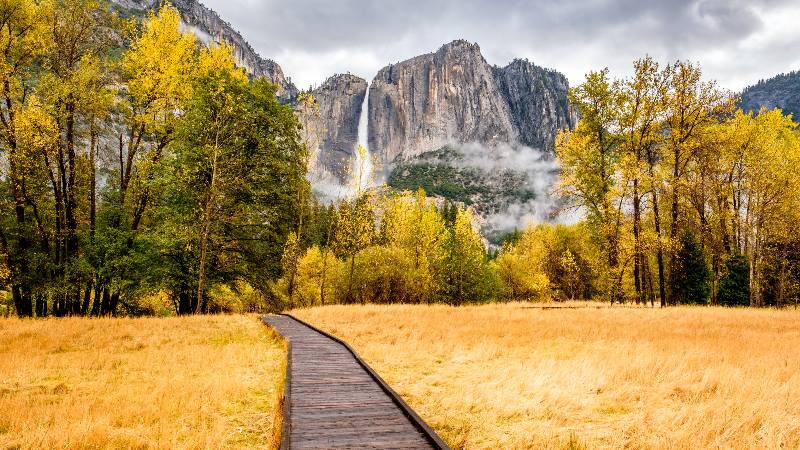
(686, 199)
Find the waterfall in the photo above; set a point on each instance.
(362, 166)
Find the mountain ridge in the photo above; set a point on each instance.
(781, 91)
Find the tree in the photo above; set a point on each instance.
(22, 41)
(692, 275)
(239, 159)
(354, 231)
(640, 123)
(290, 261)
(463, 269)
(734, 289)
(413, 223)
(589, 158)
(572, 274)
(693, 108)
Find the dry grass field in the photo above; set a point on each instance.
(508, 376)
(196, 382)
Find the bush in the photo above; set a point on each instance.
(6, 304)
(548, 261)
(383, 274)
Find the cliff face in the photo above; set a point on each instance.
(433, 100)
(209, 27)
(339, 99)
(447, 98)
(537, 99)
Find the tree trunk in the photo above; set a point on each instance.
(323, 277)
(206, 231)
(41, 305)
(92, 180)
(95, 311)
(659, 253)
(349, 297)
(637, 257)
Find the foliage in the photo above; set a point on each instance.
(692, 276)
(400, 248)
(548, 262)
(205, 183)
(734, 289)
(465, 274)
(663, 154)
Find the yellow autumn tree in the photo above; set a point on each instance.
(159, 69)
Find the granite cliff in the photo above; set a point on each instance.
(446, 98)
(339, 99)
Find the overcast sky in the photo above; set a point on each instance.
(737, 42)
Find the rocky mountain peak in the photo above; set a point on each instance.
(460, 47)
(781, 91)
(437, 99)
(538, 100)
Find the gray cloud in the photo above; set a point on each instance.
(737, 42)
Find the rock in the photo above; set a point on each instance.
(782, 91)
(339, 98)
(538, 101)
(437, 99)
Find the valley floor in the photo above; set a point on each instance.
(195, 382)
(511, 376)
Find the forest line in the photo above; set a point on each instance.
(144, 173)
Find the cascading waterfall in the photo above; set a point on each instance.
(362, 165)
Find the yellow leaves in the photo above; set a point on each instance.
(161, 64)
(219, 58)
(412, 222)
(36, 131)
(23, 37)
(312, 267)
(5, 272)
(522, 265)
(362, 153)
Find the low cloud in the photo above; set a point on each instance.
(541, 173)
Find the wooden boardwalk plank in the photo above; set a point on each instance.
(335, 401)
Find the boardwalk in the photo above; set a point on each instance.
(336, 401)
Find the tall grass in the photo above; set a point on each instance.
(509, 376)
(195, 382)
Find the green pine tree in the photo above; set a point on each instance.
(692, 277)
(734, 288)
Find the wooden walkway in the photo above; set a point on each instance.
(334, 400)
